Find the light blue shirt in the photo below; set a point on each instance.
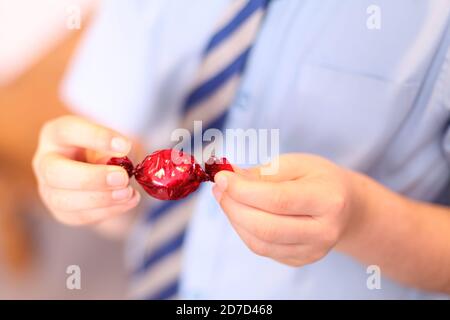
(376, 101)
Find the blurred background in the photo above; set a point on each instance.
(37, 40)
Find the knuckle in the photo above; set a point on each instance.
(63, 129)
(101, 138)
(316, 255)
(281, 200)
(304, 257)
(86, 181)
(42, 191)
(79, 218)
(46, 133)
(51, 170)
(293, 262)
(84, 218)
(94, 216)
(57, 125)
(62, 121)
(337, 202)
(331, 237)
(35, 164)
(47, 127)
(266, 232)
(259, 247)
(91, 177)
(59, 215)
(66, 219)
(47, 169)
(59, 202)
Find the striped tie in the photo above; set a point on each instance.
(156, 276)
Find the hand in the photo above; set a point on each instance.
(295, 216)
(73, 180)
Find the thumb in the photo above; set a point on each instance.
(72, 131)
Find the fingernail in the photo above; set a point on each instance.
(122, 194)
(117, 179)
(119, 144)
(217, 193)
(221, 181)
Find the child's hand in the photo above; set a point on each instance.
(295, 216)
(75, 191)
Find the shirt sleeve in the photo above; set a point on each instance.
(111, 79)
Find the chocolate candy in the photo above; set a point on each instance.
(171, 174)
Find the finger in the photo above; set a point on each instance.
(74, 131)
(266, 249)
(74, 201)
(258, 174)
(266, 226)
(97, 215)
(59, 172)
(283, 168)
(284, 198)
(289, 254)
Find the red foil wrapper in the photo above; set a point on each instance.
(214, 165)
(125, 163)
(171, 174)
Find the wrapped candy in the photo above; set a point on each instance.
(171, 174)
